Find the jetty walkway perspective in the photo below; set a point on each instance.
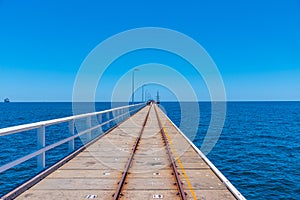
(144, 157)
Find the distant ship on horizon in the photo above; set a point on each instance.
(6, 100)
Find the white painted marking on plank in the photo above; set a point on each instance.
(91, 196)
(158, 196)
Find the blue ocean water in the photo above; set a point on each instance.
(258, 150)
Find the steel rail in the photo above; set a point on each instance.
(178, 181)
(121, 183)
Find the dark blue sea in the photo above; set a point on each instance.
(258, 150)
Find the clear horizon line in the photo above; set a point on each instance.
(160, 101)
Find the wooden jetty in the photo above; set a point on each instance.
(144, 157)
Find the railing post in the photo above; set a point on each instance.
(127, 113)
(71, 131)
(124, 114)
(41, 142)
(121, 113)
(100, 122)
(118, 115)
(114, 115)
(108, 118)
(88, 126)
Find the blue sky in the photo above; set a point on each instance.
(255, 44)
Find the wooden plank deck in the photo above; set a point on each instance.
(96, 171)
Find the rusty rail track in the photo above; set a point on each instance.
(178, 181)
(122, 181)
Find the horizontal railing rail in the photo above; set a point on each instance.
(26, 127)
(118, 115)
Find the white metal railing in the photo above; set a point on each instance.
(118, 115)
